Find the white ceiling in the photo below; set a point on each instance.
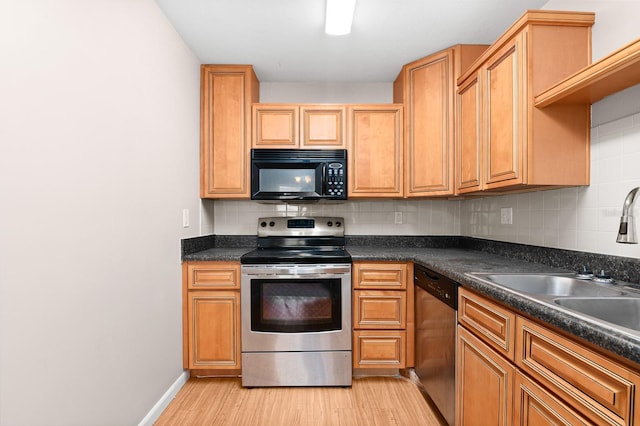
(285, 41)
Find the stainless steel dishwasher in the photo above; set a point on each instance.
(436, 301)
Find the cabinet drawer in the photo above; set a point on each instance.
(602, 390)
(379, 309)
(384, 276)
(534, 405)
(213, 275)
(492, 323)
(379, 349)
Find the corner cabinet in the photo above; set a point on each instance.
(514, 371)
(299, 126)
(375, 151)
(427, 88)
(522, 147)
(211, 316)
(227, 92)
(382, 315)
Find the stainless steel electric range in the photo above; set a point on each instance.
(296, 304)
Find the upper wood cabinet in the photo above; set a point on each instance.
(504, 115)
(523, 147)
(469, 136)
(375, 151)
(299, 126)
(427, 88)
(227, 92)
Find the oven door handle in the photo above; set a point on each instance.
(311, 272)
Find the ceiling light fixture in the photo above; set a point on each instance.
(339, 16)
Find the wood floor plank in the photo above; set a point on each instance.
(371, 401)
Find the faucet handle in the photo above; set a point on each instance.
(603, 277)
(584, 273)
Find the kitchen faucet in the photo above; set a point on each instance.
(627, 230)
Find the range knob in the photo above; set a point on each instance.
(263, 224)
(338, 224)
(329, 224)
(272, 224)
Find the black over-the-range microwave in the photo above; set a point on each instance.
(298, 174)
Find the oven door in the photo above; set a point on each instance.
(294, 308)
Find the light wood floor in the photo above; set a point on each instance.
(370, 401)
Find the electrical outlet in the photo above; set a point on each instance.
(506, 216)
(185, 218)
(398, 218)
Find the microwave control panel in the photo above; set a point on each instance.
(335, 179)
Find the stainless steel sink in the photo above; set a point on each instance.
(549, 284)
(622, 311)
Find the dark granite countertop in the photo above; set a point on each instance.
(217, 253)
(466, 257)
(455, 263)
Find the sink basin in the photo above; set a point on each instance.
(622, 311)
(549, 284)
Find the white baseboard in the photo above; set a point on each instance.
(164, 401)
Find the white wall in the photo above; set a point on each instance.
(99, 116)
(339, 93)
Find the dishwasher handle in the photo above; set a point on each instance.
(441, 287)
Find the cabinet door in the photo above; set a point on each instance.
(504, 94)
(375, 151)
(469, 136)
(323, 126)
(535, 406)
(275, 126)
(214, 329)
(429, 126)
(227, 92)
(484, 384)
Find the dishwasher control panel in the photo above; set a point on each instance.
(437, 284)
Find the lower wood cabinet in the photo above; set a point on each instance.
(549, 379)
(214, 317)
(605, 392)
(535, 406)
(484, 383)
(382, 315)
(379, 348)
(211, 315)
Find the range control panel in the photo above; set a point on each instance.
(300, 227)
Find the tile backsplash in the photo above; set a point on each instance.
(418, 217)
(582, 219)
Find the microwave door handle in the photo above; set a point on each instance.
(325, 190)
